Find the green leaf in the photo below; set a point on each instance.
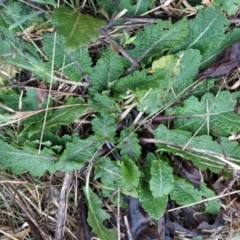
(103, 104)
(184, 193)
(212, 206)
(104, 127)
(231, 6)
(61, 116)
(175, 75)
(138, 80)
(214, 114)
(27, 159)
(162, 180)
(22, 55)
(74, 65)
(96, 216)
(209, 25)
(109, 173)
(17, 13)
(129, 144)
(130, 177)
(159, 37)
(108, 68)
(76, 154)
(76, 28)
(201, 150)
(186, 69)
(155, 207)
(134, 7)
(207, 33)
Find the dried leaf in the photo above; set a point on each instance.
(137, 218)
(227, 61)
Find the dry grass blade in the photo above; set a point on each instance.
(63, 203)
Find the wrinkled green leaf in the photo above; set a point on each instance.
(207, 33)
(103, 104)
(184, 193)
(76, 154)
(138, 80)
(104, 127)
(129, 144)
(159, 37)
(108, 68)
(211, 114)
(27, 159)
(76, 28)
(161, 182)
(203, 151)
(155, 207)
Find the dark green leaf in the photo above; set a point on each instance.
(76, 28)
(108, 68)
(130, 177)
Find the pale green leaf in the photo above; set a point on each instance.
(139, 80)
(104, 127)
(231, 6)
(76, 28)
(129, 144)
(96, 216)
(27, 159)
(155, 207)
(186, 70)
(203, 151)
(176, 75)
(161, 182)
(184, 193)
(130, 177)
(211, 114)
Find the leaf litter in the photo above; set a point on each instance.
(126, 153)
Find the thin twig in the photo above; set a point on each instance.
(128, 228)
(120, 49)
